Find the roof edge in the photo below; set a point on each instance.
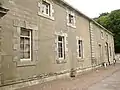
(86, 17)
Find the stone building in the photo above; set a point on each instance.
(42, 40)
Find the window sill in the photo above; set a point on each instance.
(70, 25)
(61, 61)
(46, 16)
(25, 63)
(80, 59)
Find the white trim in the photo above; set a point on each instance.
(105, 44)
(46, 16)
(25, 59)
(46, 6)
(51, 11)
(74, 19)
(30, 44)
(65, 44)
(82, 48)
(30, 37)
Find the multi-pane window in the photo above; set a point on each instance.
(46, 8)
(80, 48)
(71, 19)
(25, 44)
(61, 47)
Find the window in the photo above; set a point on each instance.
(25, 44)
(61, 47)
(110, 51)
(45, 8)
(80, 49)
(61, 44)
(102, 35)
(71, 19)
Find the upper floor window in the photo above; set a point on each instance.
(102, 35)
(46, 9)
(71, 19)
(61, 47)
(25, 44)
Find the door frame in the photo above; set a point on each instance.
(100, 53)
(107, 52)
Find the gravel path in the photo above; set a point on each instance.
(85, 81)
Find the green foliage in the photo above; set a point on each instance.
(111, 21)
(104, 14)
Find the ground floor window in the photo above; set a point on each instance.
(25, 44)
(61, 47)
(80, 48)
(110, 51)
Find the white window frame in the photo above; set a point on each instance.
(81, 47)
(51, 10)
(63, 46)
(110, 49)
(30, 32)
(68, 19)
(61, 33)
(71, 19)
(44, 7)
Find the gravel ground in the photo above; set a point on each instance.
(85, 81)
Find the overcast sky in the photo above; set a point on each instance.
(93, 8)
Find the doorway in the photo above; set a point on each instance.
(100, 54)
(107, 52)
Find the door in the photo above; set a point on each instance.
(100, 54)
(107, 52)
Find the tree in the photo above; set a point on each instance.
(111, 21)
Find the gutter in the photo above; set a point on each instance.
(68, 5)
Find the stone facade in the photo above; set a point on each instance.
(102, 45)
(44, 61)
